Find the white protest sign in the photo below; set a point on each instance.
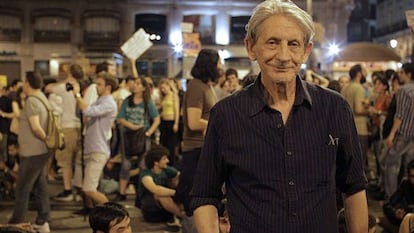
(137, 44)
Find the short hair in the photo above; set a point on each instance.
(155, 154)
(109, 79)
(102, 67)
(286, 8)
(205, 66)
(408, 68)
(130, 78)
(34, 79)
(102, 216)
(15, 82)
(396, 77)
(231, 71)
(76, 71)
(354, 71)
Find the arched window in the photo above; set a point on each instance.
(101, 29)
(10, 24)
(52, 25)
(154, 25)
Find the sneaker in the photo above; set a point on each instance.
(64, 196)
(44, 228)
(174, 222)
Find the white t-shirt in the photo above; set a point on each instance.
(69, 119)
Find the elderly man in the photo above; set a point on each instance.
(281, 146)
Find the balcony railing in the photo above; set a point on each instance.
(10, 34)
(51, 36)
(101, 40)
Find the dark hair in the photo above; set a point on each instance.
(19, 100)
(205, 66)
(334, 85)
(154, 155)
(34, 79)
(130, 78)
(410, 165)
(384, 81)
(389, 73)
(396, 77)
(109, 79)
(146, 95)
(102, 67)
(408, 68)
(15, 82)
(101, 216)
(354, 71)
(231, 71)
(76, 71)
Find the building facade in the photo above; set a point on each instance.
(48, 35)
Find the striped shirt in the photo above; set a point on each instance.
(405, 109)
(280, 177)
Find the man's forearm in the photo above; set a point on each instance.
(206, 219)
(356, 212)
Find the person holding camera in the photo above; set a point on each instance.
(71, 127)
(100, 117)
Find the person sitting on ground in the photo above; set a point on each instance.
(9, 169)
(154, 194)
(110, 218)
(402, 201)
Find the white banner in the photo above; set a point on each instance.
(135, 46)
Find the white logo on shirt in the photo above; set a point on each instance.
(333, 141)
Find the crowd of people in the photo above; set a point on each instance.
(274, 152)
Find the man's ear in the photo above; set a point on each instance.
(308, 51)
(249, 48)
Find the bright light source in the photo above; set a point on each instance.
(176, 37)
(54, 67)
(158, 37)
(178, 48)
(152, 37)
(303, 66)
(333, 49)
(393, 43)
(224, 54)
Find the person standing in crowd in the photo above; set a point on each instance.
(170, 116)
(219, 87)
(354, 93)
(33, 155)
(100, 117)
(233, 77)
(343, 81)
(198, 100)
(282, 145)
(136, 112)
(110, 218)
(5, 110)
(401, 138)
(71, 128)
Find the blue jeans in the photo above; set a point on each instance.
(32, 177)
(402, 147)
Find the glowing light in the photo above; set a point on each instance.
(54, 67)
(158, 37)
(178, 48)
(393, 43)
(176, 37)
(333, 49)
(224, 54)
(152, 37)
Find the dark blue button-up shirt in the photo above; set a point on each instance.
(280, 177)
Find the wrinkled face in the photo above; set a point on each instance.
(280, 49)
(122, 227)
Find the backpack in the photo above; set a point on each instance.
(55, 137)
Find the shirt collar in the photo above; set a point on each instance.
(302, 96)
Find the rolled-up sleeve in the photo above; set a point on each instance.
(350, 176)
(210, 173)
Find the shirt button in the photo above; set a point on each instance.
(279, 125)
(294, 214)
(289, 153)
(291, 183)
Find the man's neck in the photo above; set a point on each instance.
(279, 92)
(33, 91)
